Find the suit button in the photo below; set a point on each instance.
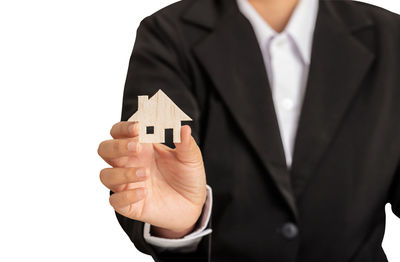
(289, 230)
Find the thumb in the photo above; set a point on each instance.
(187, 151)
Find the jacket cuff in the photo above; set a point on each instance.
(189, 242)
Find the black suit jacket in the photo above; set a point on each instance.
(346, 166)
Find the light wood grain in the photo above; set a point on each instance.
(161, 113)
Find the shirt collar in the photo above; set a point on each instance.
(300, 26)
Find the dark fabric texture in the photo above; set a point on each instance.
(346, 166)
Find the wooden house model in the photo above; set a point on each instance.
(157, 114)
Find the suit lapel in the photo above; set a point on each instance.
(338, 65)
(232, 57)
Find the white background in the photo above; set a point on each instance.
(62, 70)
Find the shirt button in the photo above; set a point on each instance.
(289, 230)
(287, 104)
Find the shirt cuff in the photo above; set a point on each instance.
(189, 242)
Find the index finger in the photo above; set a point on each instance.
(125, 129)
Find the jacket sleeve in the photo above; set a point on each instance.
(157, 62)
(395, 193)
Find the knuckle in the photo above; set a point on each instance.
(126, 197)
(118, 162)
(122, 127)
(129, 174)
(116, 146)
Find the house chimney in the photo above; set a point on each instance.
(142, 101)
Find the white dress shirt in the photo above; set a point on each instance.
(287, 58)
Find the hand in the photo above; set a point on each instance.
(153, 183)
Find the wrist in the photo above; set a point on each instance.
(176, 233)
(166, 233)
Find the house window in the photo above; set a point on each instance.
(150, 130)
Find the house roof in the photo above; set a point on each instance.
(159, 108)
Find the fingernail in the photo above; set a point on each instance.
(140, 192)
(133, 147)
(140, 173)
